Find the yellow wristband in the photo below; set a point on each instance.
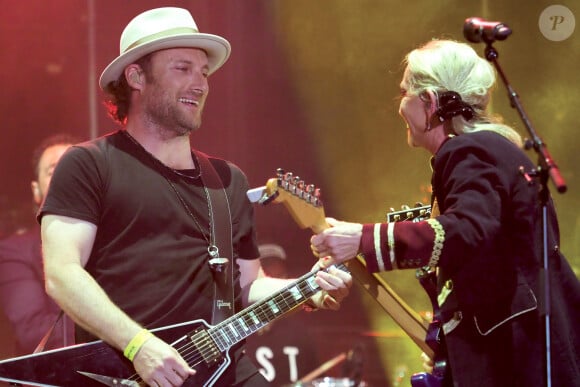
(136, 343)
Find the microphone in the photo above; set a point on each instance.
(476, 29)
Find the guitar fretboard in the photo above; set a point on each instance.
(261, 313)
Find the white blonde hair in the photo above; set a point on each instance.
(446, 65)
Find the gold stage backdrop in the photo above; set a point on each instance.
(312, 87)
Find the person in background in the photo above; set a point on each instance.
(130, 220)
(29, 310)
(484, 237)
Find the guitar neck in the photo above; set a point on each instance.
(408, 319)
(261, 313)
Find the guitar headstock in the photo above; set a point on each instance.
(302, 200)
(415, 214)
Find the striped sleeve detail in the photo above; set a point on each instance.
(378, 248)
(402, 245)
(374, 247)
(391, 244)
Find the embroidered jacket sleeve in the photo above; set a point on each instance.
(470, 190)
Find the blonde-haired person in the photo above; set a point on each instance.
(484, 237)
(445, 65)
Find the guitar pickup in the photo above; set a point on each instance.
(205, 346)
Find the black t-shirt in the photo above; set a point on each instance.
(149, 254)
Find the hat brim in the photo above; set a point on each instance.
(217, 48)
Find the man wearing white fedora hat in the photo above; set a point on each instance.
(131, 227)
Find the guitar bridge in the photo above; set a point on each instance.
(205, 346)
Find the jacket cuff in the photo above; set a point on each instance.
(374, 247)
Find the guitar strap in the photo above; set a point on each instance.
(44, 340)
(67, 332)
(222, 268)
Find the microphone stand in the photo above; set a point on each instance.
(546, 169)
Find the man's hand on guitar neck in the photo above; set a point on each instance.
(338, 243)
(335, 285)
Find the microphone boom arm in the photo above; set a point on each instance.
(546, 162)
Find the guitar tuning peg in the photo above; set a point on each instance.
(300, 189)
(292, 180)
(391, 209)
(315, 198)
(418, 204)
(288, 176)
(405, 207)
(310, 188)
(280, 172)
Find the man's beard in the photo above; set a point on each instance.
(162, 110)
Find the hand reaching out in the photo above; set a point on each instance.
(338, 243)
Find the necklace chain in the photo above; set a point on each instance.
(212, 248)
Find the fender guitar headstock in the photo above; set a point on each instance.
(302, 200)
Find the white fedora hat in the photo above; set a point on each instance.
(162, 28)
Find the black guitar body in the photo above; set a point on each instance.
(435, 337)
(425, 379)
(63, 367)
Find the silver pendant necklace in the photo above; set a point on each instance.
(215, 262)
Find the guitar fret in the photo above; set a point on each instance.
(233, 331)
(273, 307)
(254, 318)
(243, 324)
(217, 336)
(226, 336)
(266, 313)
(238, 328)
(280, 300)
(295, 293)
